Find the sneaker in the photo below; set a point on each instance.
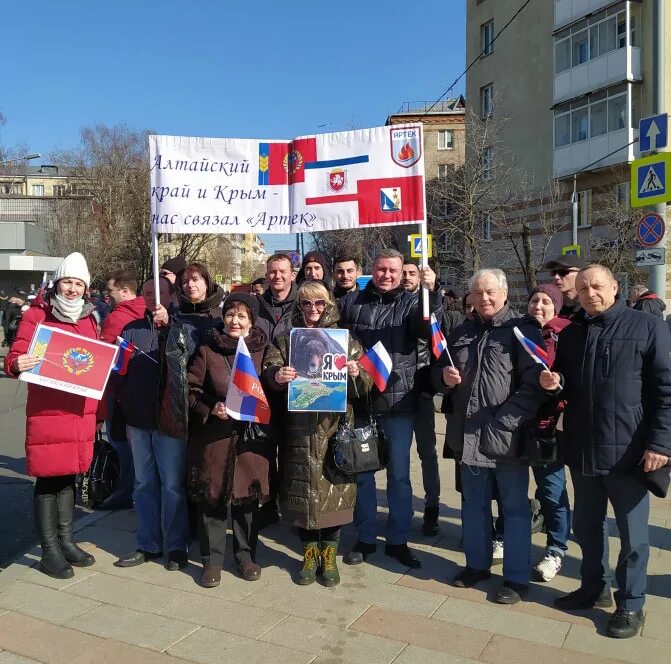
(548, 568)
(497, 552)
(624, 624)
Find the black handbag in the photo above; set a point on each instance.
(361, 449)
(99, 482)
(539, 447)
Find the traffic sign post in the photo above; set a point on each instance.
(416, 248)
(653, 132)
(571, 250)
(650, 229)
(650, 180)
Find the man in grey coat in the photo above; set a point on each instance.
(491, 391)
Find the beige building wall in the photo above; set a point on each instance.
(520, 68)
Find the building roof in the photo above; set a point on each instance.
(455, 106)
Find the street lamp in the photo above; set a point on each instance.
(26, 157)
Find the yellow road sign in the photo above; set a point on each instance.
(416, 245)
(571, 249)
(650, 180)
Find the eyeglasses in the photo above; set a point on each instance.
(308, 304)
(562, 273)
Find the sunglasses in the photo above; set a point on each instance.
(308, 304)
(562, 273)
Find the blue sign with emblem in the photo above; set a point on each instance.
(653, 132)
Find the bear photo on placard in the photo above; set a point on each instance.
(319, 357)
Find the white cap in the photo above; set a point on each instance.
(74, 266)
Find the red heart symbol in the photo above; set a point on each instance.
(340, 361)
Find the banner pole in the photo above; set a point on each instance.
(425, 245)
(154, 252)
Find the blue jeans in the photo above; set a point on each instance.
(631, 505)
(552, 494)
(398, 431)
(160, 501)
(425, 438)
(478, 492)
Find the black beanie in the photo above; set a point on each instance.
(175, 265)
(313, 257)
(249, 300)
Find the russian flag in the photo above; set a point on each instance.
(438, 341)
(538, 354)
(378, 365)
(123, 355)
(246, 399)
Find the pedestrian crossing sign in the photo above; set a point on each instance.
(649, 180)
(416, 249)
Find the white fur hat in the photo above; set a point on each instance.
(74, 266)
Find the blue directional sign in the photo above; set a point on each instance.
(653, 132)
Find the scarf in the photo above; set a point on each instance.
(71, 309)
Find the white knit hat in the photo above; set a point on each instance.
(74, 266)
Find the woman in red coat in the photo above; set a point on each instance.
(60, 427)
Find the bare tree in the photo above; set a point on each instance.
(363, 244)
(462, 204)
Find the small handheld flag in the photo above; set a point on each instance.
(246, 399)
(123, 355)
(438, 342)
(538, 354)
(378, 365)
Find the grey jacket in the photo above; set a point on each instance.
(499, 389)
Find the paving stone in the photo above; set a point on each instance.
(421, 631)
(42, 602)
(33, 575)
(43, 641)
(125, 520)
(7, 657)
(504, 650)
(417, 655)
(638, 649)
(501, 620)
(324, 639)
(108, 539)
(115, 652)
(208, 645)
(223, 615)
(323, 605)
(131, 593)
(656, 626)
(134, 627)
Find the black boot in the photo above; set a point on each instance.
(66, 508)
(53, 562)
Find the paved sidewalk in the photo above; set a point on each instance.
(380, 613)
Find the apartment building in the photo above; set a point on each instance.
(574, 77)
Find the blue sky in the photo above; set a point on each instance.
(265, 69)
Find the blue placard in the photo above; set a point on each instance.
(653, 132)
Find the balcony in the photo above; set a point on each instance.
(623, 64)
(567, 11)
(572, 158)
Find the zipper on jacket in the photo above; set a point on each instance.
(605, 362)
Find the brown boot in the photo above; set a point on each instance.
(211, 576)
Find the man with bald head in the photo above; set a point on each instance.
(614, 368)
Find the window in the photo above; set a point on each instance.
(622, 194)
(580, 48)
(10, 189)
(485, 226)
(598, 119)
(562, 56)
(562, 130)
(486, 100)
(617, 113)
(445, 139)
(487, 38)
(444, 170)
(579, 125)
(488, 163)
(584, 205)
(38, 190)
(442, 208)
(59, 190)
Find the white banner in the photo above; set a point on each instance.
(350, 179)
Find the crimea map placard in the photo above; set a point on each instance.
(319, 356)
(70, 362)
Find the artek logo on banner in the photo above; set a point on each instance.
(406, 146)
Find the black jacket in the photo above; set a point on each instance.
(616, 369)
(649, 303)
(395, 319)
(275, 316)
(499, 389)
